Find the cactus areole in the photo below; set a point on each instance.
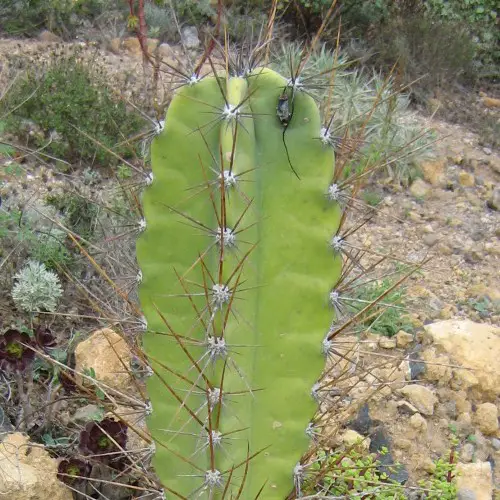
(237, 268)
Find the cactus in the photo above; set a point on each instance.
(236, 274)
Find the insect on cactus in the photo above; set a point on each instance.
(237, 268)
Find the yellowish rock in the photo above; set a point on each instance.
(418, 423)
(420, 188)
(436, 369)
(486, 418)
(28, 472)
(49, 37)
(475, 479)
(108, 355)
(471, 345)
(115, 45)
(133, 46)
(463, 379)
(491, 102)
(352, 438)
(466, 179)
(387, 342)
(403, 339)
(421, 397)
(433, 170)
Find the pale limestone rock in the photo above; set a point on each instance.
(418, 422)
(28, 472)
(463, 379)
(433, 170)
(476, 478)
(49, 37)
(351, 438)
(486, 418)
(115, 45)
(133, 46)
(109, 355)
(403, 339)
(437, 368)
(387, 343)
(466, 179)
(421, 397)
(491, 102)
(471, 345)
(419, 188)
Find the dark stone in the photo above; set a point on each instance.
(380, 439)
(417, 368)
(363, 422)
(492, 462)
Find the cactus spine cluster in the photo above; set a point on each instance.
(237, 270)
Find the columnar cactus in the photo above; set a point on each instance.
(237, 268)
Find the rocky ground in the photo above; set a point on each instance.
(438, 380)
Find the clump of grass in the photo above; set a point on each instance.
(80, 214)
(70, 104)
(371, 198)
(43, 243)
(389, 316)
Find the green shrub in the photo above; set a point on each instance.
(243, 23)
(416, 44)
(441, 39)
(69, 93)
(480, 17)
(160, 19)
(63, 17)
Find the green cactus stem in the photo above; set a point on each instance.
(237, 269)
